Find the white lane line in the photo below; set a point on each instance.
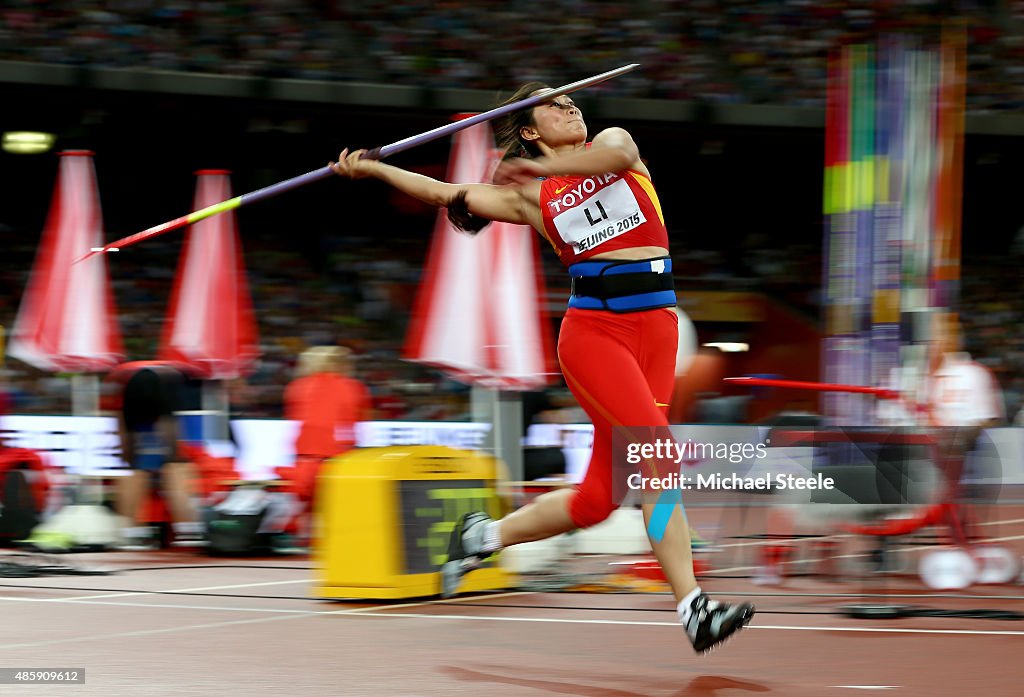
(375, 612)
(869, 687)
(1002, 522)
(734, 569)
(651, 623)
(280, 614)
(103, 600)
(838, 536)
(101, 594)
(166, 606)
(894, 630)
(987, 540)
(239, 585)
(145, 632)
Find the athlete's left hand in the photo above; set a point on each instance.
(353, 165)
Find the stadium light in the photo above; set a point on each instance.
(27, 142)
(729, 346)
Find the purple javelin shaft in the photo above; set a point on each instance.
(448, 129)
(377, 153)
(436, 133)
(286, 185)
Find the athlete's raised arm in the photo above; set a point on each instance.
(612, 150)
(488, 201)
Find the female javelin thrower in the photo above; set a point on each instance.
(596, 205)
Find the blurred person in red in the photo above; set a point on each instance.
(962, 392)
(149, 395)
(952, 396)
(961, 398)
(327, 402)
(594, 202)
(953, 393)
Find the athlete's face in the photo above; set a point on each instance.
(557, 122)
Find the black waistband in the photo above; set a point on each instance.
(621, 285)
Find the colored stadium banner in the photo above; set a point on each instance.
(892, 204)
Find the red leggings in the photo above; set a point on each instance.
(621, 368)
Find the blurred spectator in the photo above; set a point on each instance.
(954, 393)
(963, 393)
(284, 284)
(150, 396)
(711, 51)
(326, 401)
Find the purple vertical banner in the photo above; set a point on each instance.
(885, 329)
(825, 402)
(864, 184)
(833, 165)
(837, 261)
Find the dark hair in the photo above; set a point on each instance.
(150, 394)
(507, 130)
(507, 136)
(460, 216)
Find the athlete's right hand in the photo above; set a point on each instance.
(352, 164)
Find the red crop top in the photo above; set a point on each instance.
(588, 215)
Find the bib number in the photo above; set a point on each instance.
(610, 212)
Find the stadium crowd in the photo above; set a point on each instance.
(731, 51)
(365, 294)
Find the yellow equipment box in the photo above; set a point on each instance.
(384, 517)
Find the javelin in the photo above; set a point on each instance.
(879, 392)
(376, 153)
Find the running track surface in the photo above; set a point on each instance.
(180, 623)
